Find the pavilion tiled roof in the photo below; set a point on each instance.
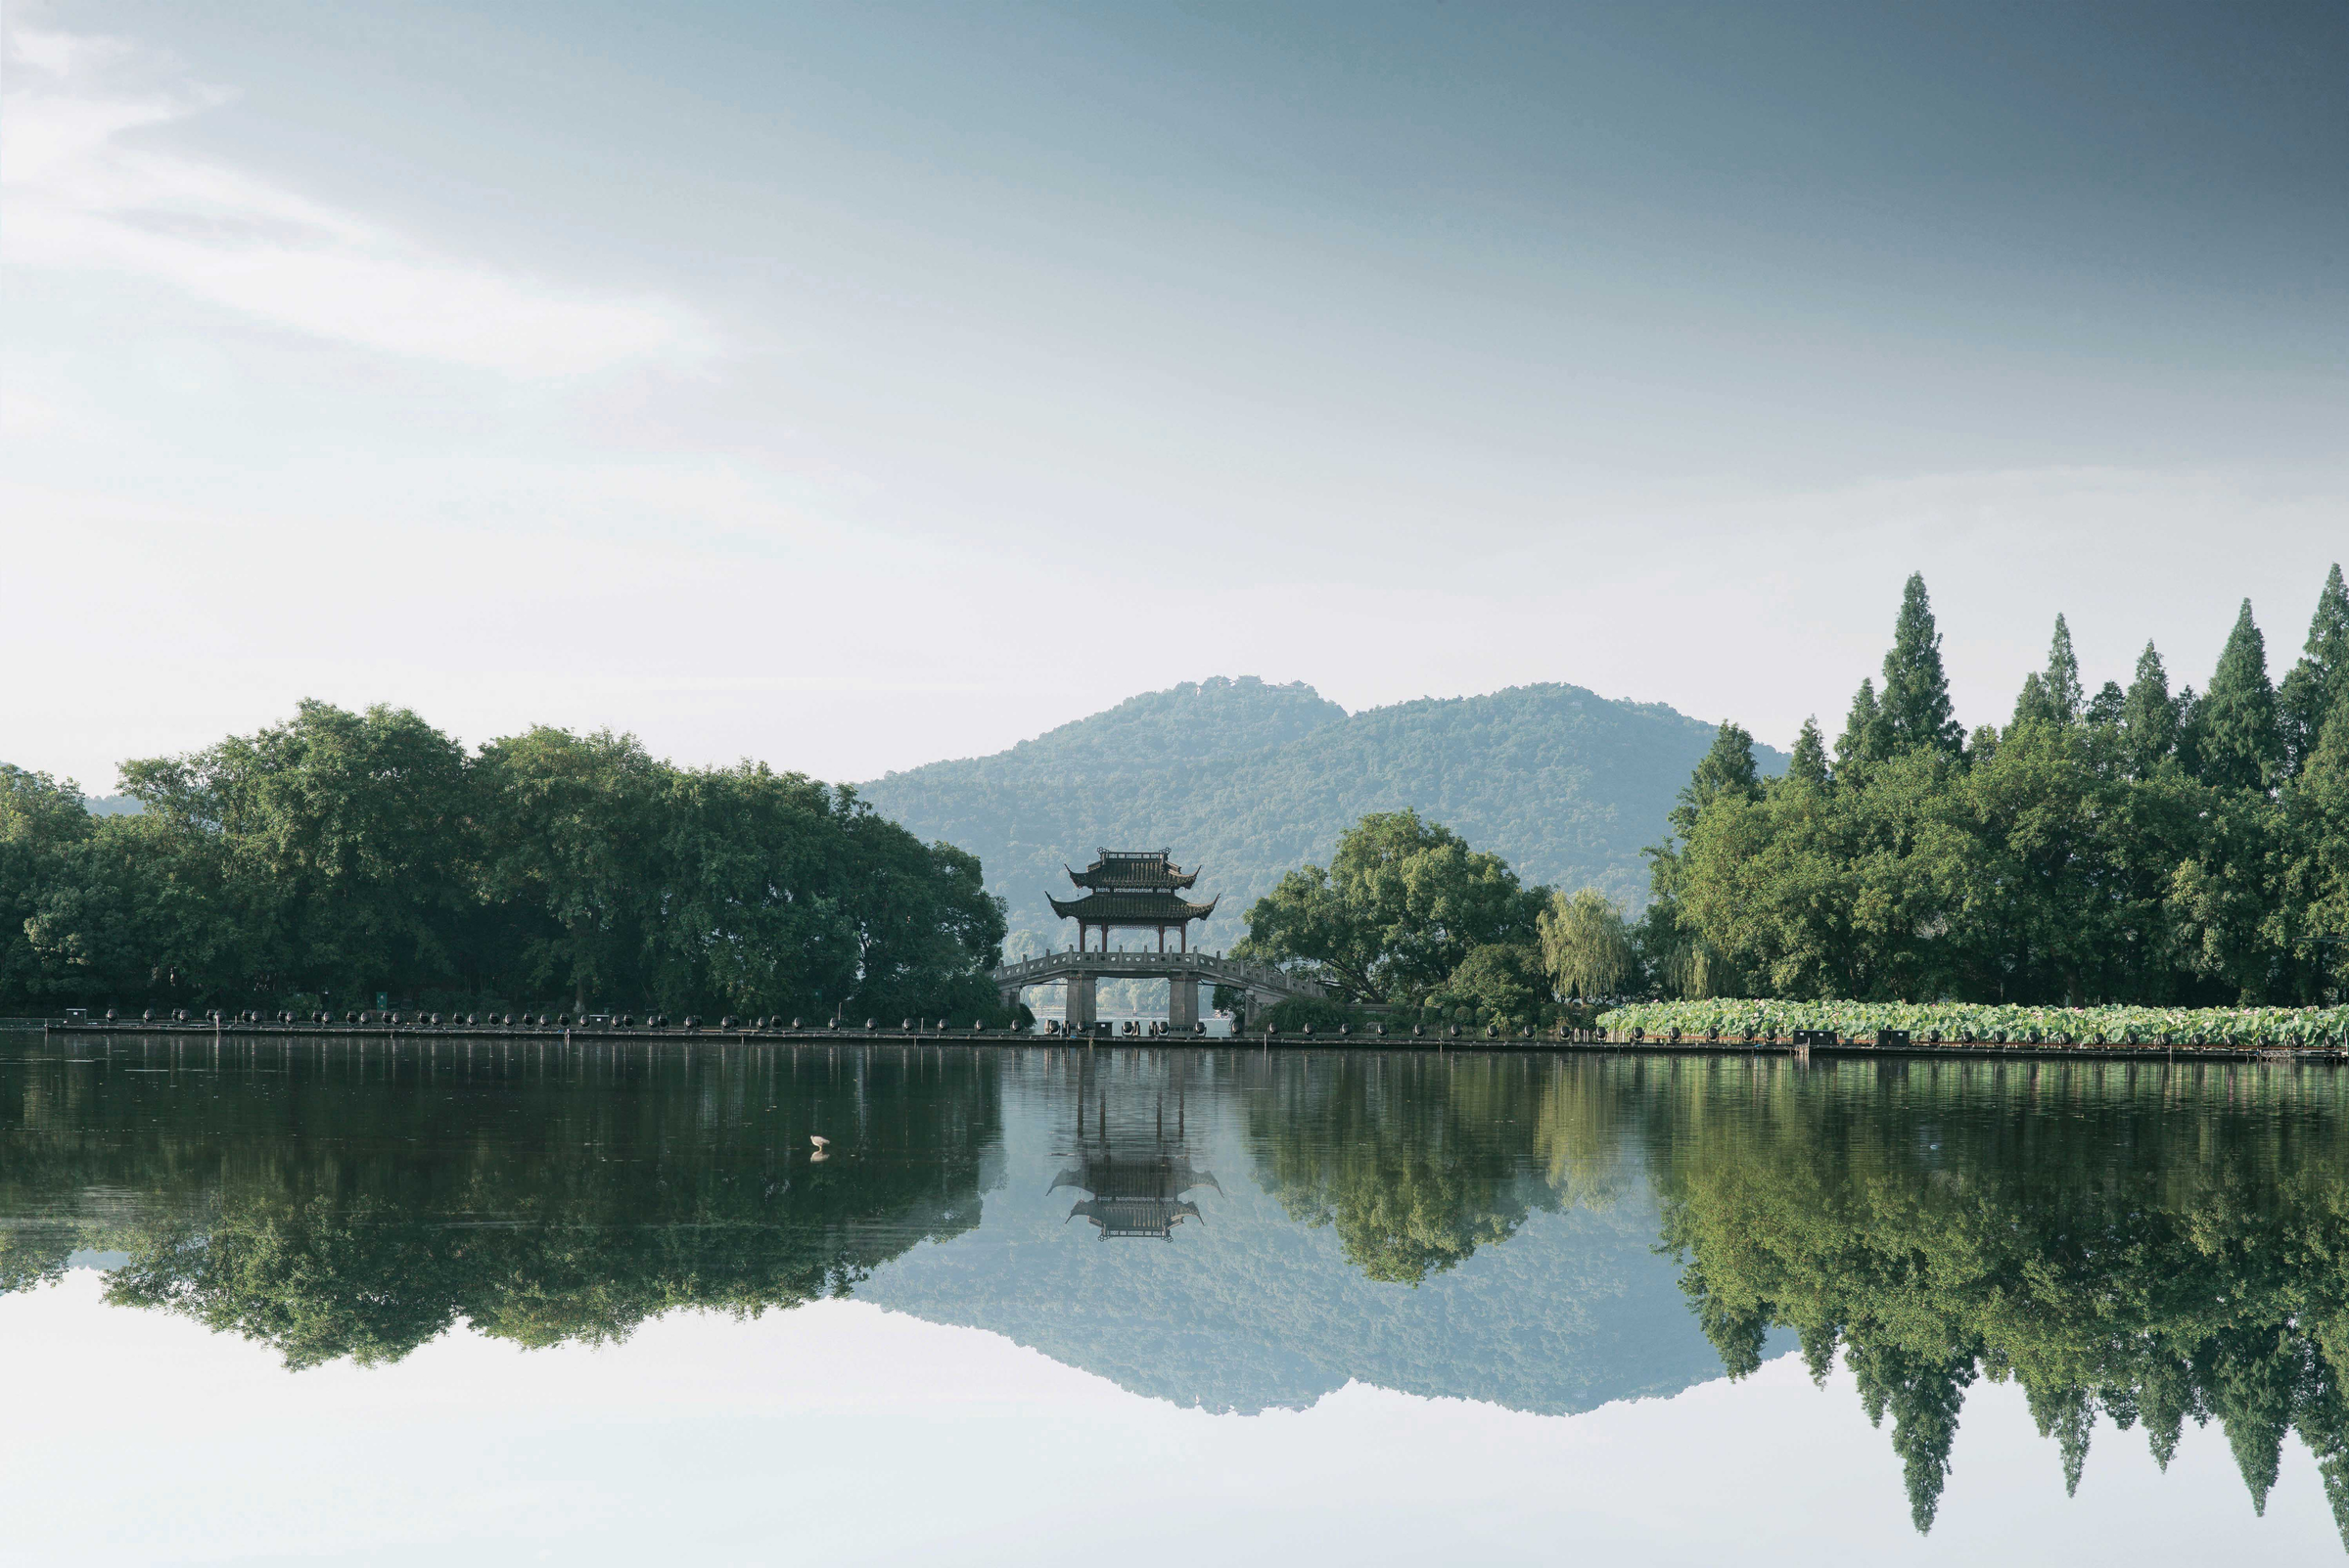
(1132, 869)
(1132, 908)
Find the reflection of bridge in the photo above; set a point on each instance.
(1182, 971)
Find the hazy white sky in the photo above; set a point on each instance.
(839, 1433)
(855, 387)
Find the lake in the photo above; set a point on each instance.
(503, 1302)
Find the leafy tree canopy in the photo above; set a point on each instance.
(340, 856)
(1401, 905)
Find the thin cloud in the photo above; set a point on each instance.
(88, 183)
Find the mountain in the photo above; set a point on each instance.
(1247, 781)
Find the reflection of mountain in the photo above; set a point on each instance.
(329, 1212)
(1258, 1309)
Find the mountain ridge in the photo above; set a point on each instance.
(1246, 780)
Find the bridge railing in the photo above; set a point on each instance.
(1212, 966)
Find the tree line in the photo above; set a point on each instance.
(2137, 845)
(2131, 845)
(344, 856)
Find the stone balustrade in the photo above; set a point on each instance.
(1262, 979)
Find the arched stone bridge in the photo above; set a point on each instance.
(1183, 971)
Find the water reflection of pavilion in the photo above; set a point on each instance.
(1134, 1181)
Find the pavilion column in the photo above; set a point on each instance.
(1182, 1002)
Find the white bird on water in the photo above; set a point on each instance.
(821, 1146)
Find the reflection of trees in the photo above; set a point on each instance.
(2154, 1246)
(2120, 1240)
(538, 1201)
(1416, 1161)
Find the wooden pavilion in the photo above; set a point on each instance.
(1132, 890)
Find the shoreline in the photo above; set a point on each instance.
(1588, 1042)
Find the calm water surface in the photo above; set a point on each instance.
(508, 1303)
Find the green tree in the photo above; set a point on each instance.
(1675, 953)
(1402, 904)
(1810, 762)
(2105, 708)
(1587, 944)
(572, 827)
(1506, 980)
(2053, 696)
(347, 840)
(928, 929)
(1862, 729)
(2061, 682)
(2238, 742)
(2316, 685)
(787, 896)
(1915, 709)
(1727, 769)
(41, 823)
(2315, 891)
(2148, 717)
(136, 913)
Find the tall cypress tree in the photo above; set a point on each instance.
(2188, 703)
(1808, 764)
(2239, 740)
(2031, 705)
(2319, 680)
(1862, 728)
(1915, 709)
(2148, 717)
(1726, 768)
(2051, 696)
(2061, 682)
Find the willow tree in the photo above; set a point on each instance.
(1587, 944)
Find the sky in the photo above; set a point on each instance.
(853, 387)
(839, 1433)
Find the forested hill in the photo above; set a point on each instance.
(1248, 781)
